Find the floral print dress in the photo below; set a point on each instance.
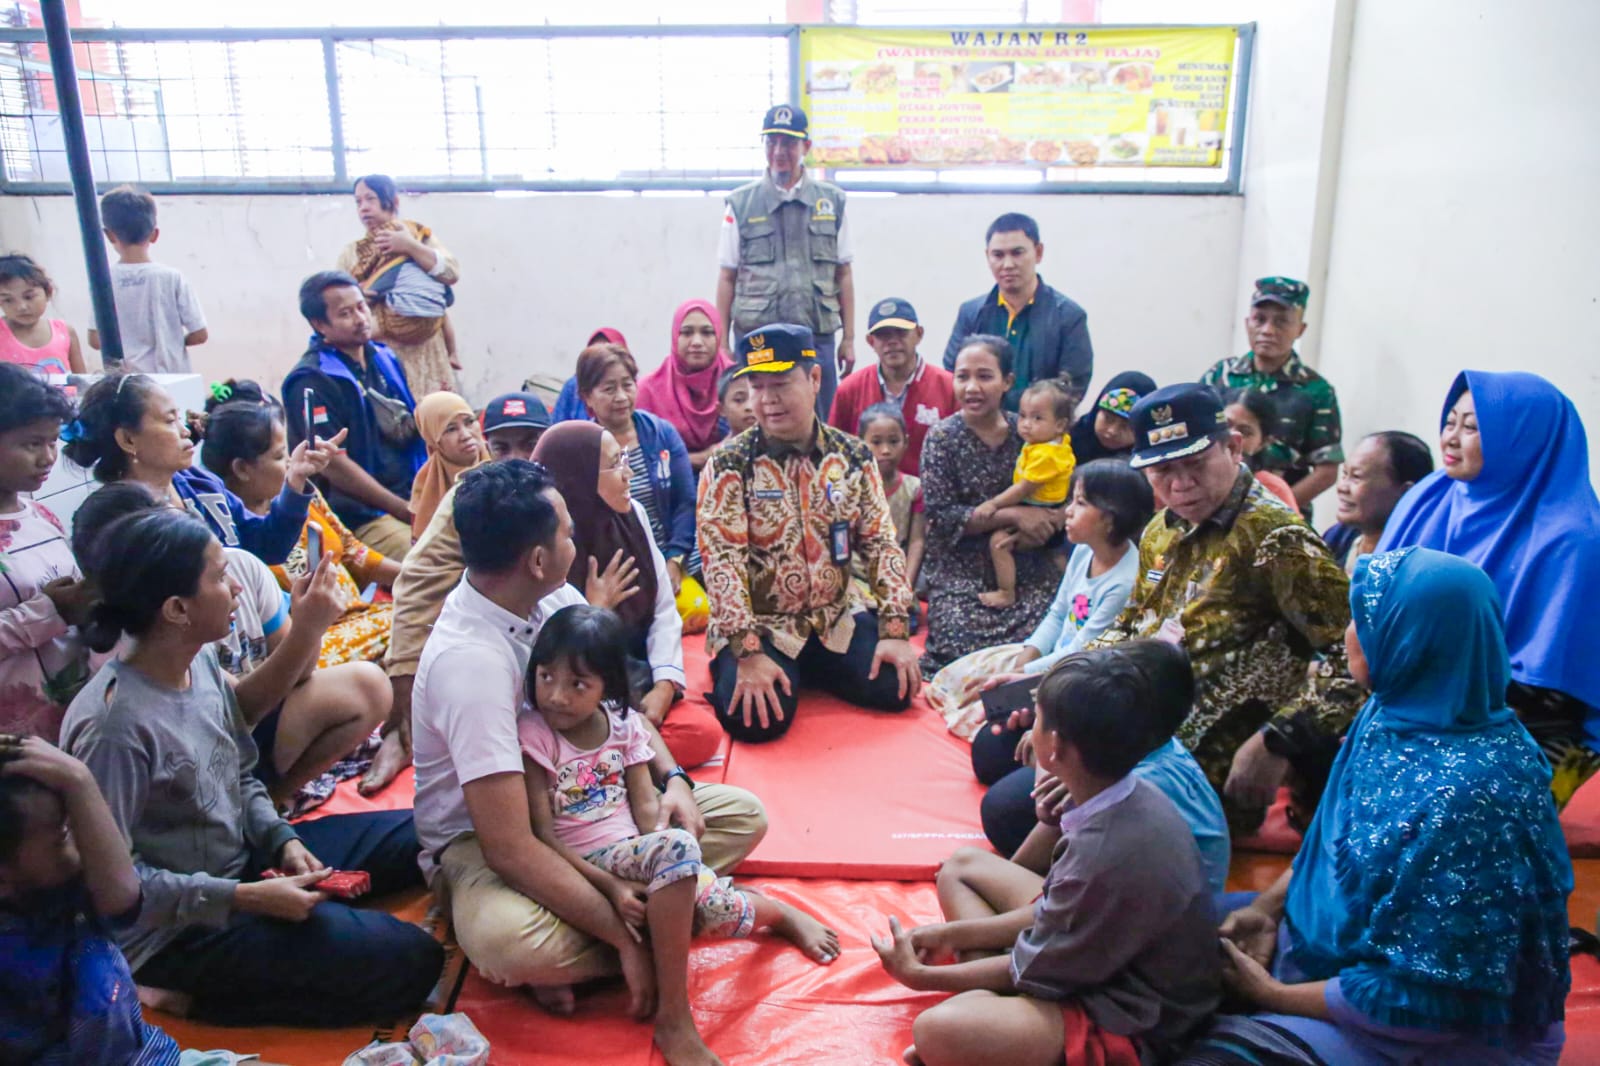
(42, 662)
(959, 472)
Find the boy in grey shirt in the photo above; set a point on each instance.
(1118, 956)
(158, 314)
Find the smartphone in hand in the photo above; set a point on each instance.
(308, 400)
(999, 702)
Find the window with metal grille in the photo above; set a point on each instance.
(942, 12)
(614, 103)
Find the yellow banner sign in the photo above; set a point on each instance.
(1023, 97)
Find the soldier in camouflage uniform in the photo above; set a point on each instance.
(1306, 449)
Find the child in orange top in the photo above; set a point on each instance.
(1253, 415)
(26, 336)
(1042, 478)
(245, 445)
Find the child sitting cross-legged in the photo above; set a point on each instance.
(1116, 962)
(586, 757)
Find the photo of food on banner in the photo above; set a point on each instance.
(991, 77)
(1058, 100)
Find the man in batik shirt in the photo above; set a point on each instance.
(1251, 592)
(781, 512)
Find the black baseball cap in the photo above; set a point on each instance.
(893, 313)
(774, 349)
(786, 119)
(1174, 422)
(515, 410)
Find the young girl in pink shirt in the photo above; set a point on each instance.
(586, 757)
(27, 338)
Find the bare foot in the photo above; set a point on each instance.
(392, 757)
(999, 598)
(819, 942)
(557, 999)
(681, 1044)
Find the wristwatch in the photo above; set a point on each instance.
(1283, 737)
(748, 645)
(677, 771)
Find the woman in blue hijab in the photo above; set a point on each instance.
(1514, 497)
(1425, 917)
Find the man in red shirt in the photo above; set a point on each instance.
(924, 393)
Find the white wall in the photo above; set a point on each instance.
(1288, 95)
(541, 273)
(1466, 219)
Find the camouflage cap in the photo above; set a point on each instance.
(1279, 290)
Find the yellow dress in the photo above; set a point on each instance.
(1050, 464)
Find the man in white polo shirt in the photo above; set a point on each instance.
(520, 911)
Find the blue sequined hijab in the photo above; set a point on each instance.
(1433, 880)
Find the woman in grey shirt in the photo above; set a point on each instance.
(165, 737)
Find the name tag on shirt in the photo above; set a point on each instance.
(768, 494)
(839, 542)
(927, 416)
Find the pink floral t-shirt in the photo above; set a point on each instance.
(590, 794)
(43, 664)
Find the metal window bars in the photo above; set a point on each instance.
(537, 108)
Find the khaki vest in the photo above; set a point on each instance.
(788, 256)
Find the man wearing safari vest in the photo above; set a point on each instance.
(785, 252)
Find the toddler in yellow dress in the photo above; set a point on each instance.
(1042, 477)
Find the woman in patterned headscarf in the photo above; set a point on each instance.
(1102, 432)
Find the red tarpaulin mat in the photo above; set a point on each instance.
(1580, 821)
(400, 795)
(1275, 836)
(758, 1002)
(860, 794)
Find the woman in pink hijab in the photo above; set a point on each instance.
(683, 390)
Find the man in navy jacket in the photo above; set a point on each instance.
(1047, 330)
(358, 385)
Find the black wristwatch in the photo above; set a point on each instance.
(1285, 737)
(677, 771)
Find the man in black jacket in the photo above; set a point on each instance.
(1048, 331)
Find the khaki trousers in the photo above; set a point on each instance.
(514, 941)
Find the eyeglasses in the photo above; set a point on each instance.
(622, 460)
